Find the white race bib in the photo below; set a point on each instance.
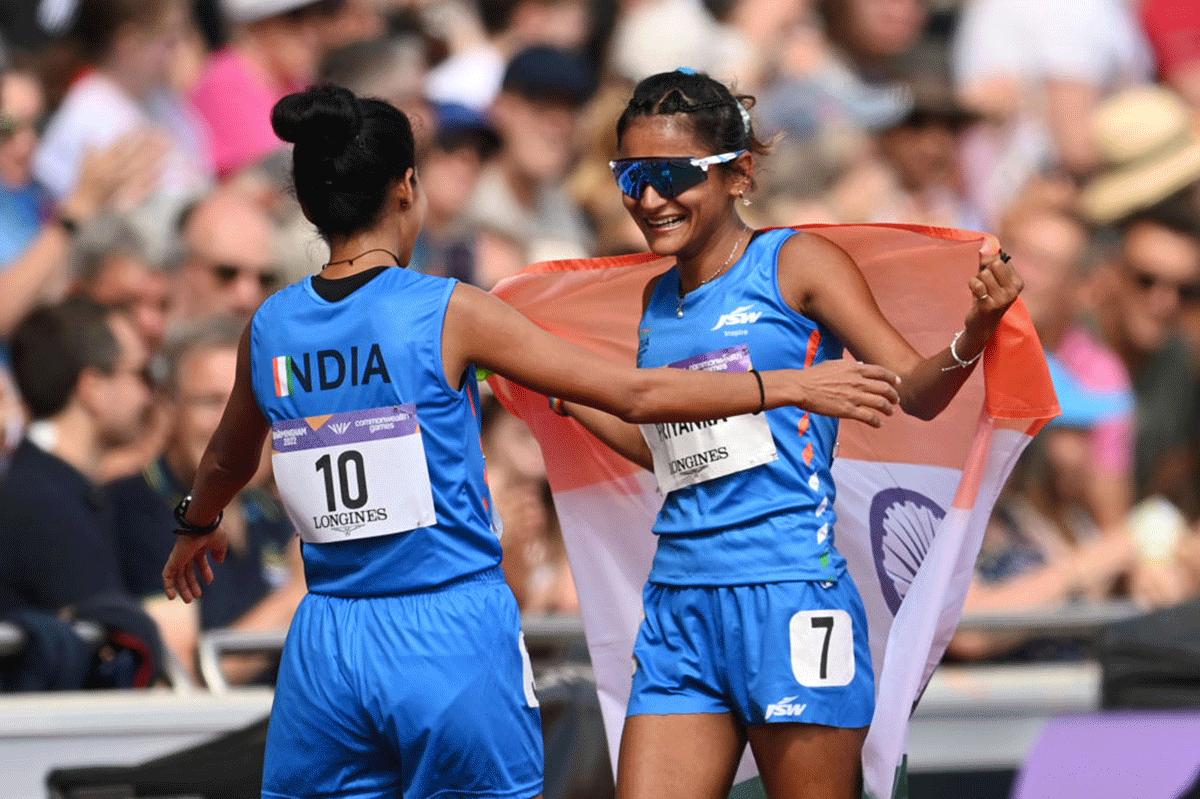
(687, 453)
(358, 474)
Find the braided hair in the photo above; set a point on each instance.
(717, 118)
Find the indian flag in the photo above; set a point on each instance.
(913, 497)
(282, 367)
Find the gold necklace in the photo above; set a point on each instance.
(724, 266)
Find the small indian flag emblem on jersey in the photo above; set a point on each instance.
(282, 366)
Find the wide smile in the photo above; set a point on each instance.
(665, 223)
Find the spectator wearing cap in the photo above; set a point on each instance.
(451, 166)
(1041, 547)
(275, 48)
(923, 153)
(522, 195)
(473, 73)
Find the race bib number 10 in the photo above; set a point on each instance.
(358, 474)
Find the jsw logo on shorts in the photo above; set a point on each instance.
(785, 707)
(738, 316)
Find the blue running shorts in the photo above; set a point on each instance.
(427, 694)
(767, 653)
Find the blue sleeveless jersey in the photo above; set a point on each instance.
(378, 347)
(771, 522)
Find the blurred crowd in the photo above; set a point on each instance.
(145, 213)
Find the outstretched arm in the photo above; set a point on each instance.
(483, 330)
(821, 281)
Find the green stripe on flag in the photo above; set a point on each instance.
(750, 789)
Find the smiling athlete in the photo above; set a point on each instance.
(753, 631)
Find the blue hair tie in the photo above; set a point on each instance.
(745, 117)
(686, 70)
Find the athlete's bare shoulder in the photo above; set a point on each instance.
(809, 264)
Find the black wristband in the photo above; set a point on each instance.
(188, 528)
(70, 226)
(762, 392)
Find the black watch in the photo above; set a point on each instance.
(70, 225)
(187, 528)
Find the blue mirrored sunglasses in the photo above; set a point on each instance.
(670, 177)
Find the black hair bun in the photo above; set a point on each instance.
(323, 115)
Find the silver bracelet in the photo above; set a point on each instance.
(960, 363)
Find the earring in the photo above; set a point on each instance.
(745, 200)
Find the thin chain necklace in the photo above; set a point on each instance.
(724, 266)
(351, 261)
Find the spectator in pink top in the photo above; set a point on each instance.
(1173, 27)
(1050, 249)
(274, 50)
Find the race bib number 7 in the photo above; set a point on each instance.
(358, 474)
(687, 453)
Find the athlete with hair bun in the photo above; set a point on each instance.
(753, 630)
(404, 672)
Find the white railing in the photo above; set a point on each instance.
(970, 717)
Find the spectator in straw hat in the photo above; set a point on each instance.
(1145, 137)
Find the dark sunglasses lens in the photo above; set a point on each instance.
(225, 274)
(632, 177)
(669, 178)
(684, 175)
